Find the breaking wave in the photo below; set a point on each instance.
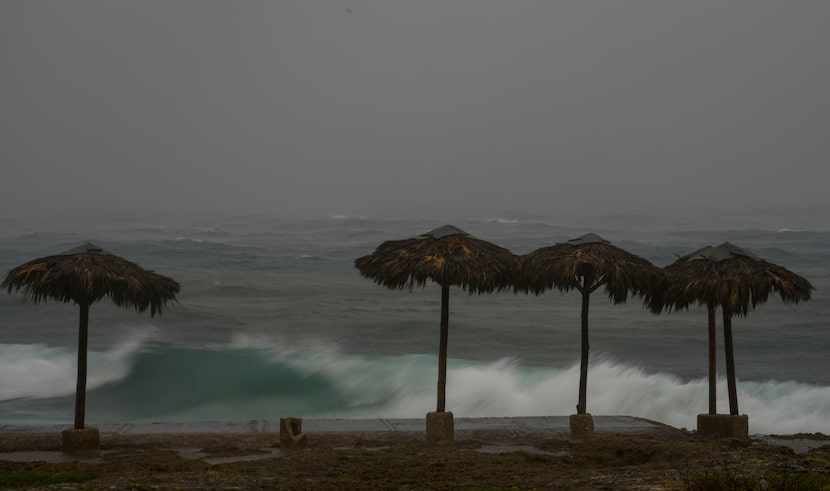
(146, 382)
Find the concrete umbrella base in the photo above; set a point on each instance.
(291, 434)
(723, 425)
(86, 441)
(582, 426)
(440, 427)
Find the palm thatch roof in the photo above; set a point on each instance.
(447, 255)
(563, 265)
(88, 273)
(731, 277)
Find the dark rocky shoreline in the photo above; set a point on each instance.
(664, 459)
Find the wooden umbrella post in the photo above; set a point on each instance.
(581, 407)
(80, 390)
(81, 440)
(582, 423)
(731, 382)
(440, 424)
(442, 349)
(713, 362)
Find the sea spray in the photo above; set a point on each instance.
(784, 407)
(36, 371)
(40, 371)
(157, 382)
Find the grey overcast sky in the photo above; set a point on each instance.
(390, 106)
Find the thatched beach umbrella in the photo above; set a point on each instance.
(736, 280)
(449, 257)
(84, 275)
(585, 264)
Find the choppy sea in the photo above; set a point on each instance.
(274, 320)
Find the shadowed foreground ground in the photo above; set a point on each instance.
(658, 459)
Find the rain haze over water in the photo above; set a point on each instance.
(253, 150)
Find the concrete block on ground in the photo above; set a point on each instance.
(85, 441)
(723, 425)
(582, 426)
(291, 434)
(440, 427)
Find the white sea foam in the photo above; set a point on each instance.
(260, 377)
(404, 387)
(40, 371)
(36, 371)
(503, 220)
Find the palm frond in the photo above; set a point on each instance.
(565, 265)
(448, 256)
(88, 276)
(729, 277)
